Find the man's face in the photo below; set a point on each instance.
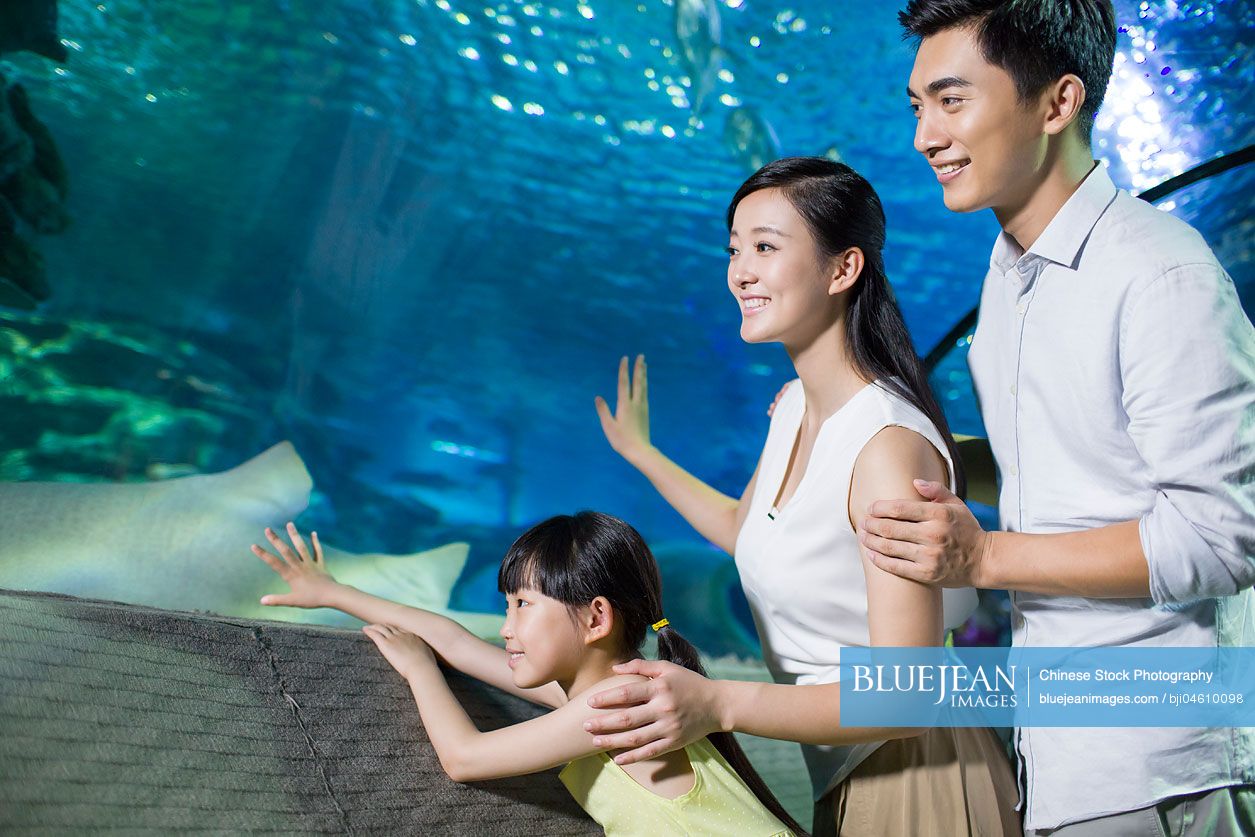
(986, 148)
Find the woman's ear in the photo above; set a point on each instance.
(845, 271)
(598, 620)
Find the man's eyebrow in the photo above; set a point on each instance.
(940, 84)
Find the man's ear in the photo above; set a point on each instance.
(1062, 103)
(598, 620)
(845, 271)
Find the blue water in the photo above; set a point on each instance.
(415, 237)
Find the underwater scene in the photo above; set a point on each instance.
(365, 265)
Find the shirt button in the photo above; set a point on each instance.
(1013, 389)
(1019, 309)
(1015, 472)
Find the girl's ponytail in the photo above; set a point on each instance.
(673, 648)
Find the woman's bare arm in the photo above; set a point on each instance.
(900, 612)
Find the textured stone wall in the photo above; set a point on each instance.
(116, 716)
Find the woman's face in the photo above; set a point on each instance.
(542, 639)
(775, 274)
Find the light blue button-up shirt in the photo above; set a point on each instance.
(1115, 370)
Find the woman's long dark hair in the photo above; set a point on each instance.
(842, 210)
(575, 559)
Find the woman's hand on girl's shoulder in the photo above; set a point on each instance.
(609, 683)
(302, 568)
(674, 707)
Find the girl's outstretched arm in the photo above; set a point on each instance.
(466, 754)
(716, 516)
(303, 568)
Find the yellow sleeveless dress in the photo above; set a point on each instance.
(719, 804)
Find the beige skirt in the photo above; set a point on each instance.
(947, 782)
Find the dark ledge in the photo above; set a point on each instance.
(129, 718)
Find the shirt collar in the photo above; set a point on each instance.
(1067, 232)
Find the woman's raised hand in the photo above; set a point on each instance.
(303, 570)
(627, 430)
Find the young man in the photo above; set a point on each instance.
(1115, 371)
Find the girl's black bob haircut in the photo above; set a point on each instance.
(576, 558)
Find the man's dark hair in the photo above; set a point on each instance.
(1035, 41)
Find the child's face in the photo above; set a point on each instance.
(987, 148)
(543, 640)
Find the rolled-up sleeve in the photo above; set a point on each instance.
(1187, 358)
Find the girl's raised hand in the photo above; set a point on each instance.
(627, 429)
(403, 650)
(303, 570)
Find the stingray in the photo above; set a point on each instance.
(31, 25)
(183, 544)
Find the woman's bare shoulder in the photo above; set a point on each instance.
(901, 448)
(887, 466)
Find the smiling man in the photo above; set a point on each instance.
(1115, 371)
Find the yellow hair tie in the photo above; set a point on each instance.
(659, 625)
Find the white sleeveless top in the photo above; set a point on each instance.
(800, 564)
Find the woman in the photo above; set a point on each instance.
(805, 266)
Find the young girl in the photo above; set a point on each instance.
(580, 594)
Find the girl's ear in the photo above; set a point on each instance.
(598, 620)
(845, 270)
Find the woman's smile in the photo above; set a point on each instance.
(751, 305)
